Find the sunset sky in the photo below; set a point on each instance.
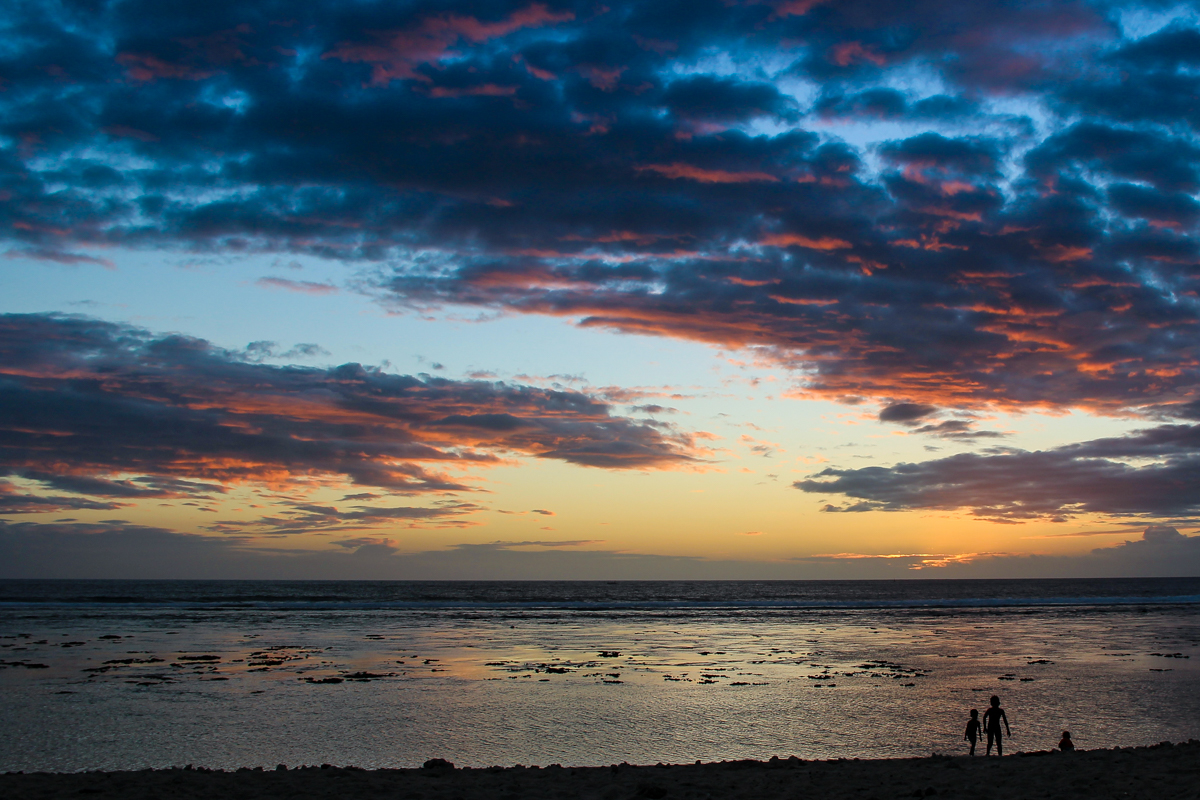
(792, 289)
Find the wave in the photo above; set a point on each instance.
(595, 597)
(662, 606)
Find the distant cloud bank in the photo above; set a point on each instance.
(122, 550)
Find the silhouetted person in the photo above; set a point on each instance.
(991, 724)
(1066, 745)
(972, 733)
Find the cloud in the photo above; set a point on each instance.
(13, 503)
(1143, 80)
(906, 413)
(595, 163)
(503, 545)
(120, 550)
(59, 257)
(960, 429)
(113, 411)
(304, 517)
(889, 104)
(912, 415)
(374, 544)
(709, 98)
(397, 54)
(1162, 551)
(1153, 473)
(304, 287)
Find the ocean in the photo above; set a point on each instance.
(224, 674)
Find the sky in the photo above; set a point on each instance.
(789, 289)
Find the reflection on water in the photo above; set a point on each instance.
(135, 682)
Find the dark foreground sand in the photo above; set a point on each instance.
(1162, 772)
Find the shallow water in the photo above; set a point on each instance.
(229, 674)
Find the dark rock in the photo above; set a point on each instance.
(437, 763)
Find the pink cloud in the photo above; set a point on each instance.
(484, 90)
(144, 67)
(846, 53)
(396, 54)
(60, 258)
(306, 287)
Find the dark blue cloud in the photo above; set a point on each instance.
(879, 103)
(1175, 209)
(1148, 80)
(603, 163)
(891, 104)
(706, 97)
(1168, 162)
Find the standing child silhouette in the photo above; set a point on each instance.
(991, 724)
(972, 733)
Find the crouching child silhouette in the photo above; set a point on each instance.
(972, 733)
(991, 723)
(1066, 745)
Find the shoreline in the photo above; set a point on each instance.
(1154, 772)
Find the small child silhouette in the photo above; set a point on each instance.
(1066, 745)
(972, 733)
(991, 724)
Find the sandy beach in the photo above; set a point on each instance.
(1157, 772)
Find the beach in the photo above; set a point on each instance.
(1156, 772)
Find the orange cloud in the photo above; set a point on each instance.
(796, 240)
(678, 170)
(1061, 253)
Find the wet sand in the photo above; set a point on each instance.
(1157, 772)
